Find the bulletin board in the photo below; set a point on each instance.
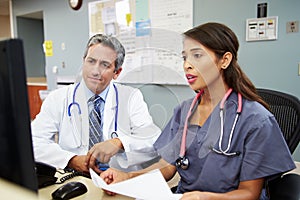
(151, 32)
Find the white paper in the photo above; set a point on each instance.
(149, 186)
(171, 14)
(109, 14)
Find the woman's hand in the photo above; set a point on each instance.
(113, 176)
(195, 195)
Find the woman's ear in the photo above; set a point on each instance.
(226, 60)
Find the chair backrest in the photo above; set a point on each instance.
(286, 109)
(285, 188)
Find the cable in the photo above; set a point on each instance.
(72, 175)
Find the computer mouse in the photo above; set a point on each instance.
(69, 190)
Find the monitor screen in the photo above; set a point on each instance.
(16, 153)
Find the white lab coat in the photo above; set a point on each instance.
(55, 140)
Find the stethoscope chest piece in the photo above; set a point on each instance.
(183, 163)
(114, 134)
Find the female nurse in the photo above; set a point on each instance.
(224, 143)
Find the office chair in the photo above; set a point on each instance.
(286, 187)
(286, 109)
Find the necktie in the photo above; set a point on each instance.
(96, 134)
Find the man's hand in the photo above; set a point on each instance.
(102, 152)
(78, 163)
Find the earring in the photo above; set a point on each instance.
(224, 67)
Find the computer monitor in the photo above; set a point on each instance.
(16, 153)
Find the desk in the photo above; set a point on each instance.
(9, 190)
(92, 193)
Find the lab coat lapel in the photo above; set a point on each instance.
(82, 101)
(109, 113)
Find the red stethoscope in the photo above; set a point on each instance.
(183, 161)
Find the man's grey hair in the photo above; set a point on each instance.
(108, 41)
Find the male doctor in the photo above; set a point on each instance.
(61, 130)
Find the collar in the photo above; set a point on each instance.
(89, 93)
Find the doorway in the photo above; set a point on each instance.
(30, 28)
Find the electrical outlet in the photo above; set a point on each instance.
(292, 27)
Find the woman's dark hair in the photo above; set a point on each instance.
(111, 42)
(221, 39)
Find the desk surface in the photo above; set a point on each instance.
(92, 193)
(37, 81)
(11, 191)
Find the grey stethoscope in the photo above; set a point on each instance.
(183, 161)
(78, 121)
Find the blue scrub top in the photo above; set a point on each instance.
(257, 136)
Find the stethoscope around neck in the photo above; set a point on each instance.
(78, 133)
(183, 161)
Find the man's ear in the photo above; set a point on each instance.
(117, 73)
(226, 60)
